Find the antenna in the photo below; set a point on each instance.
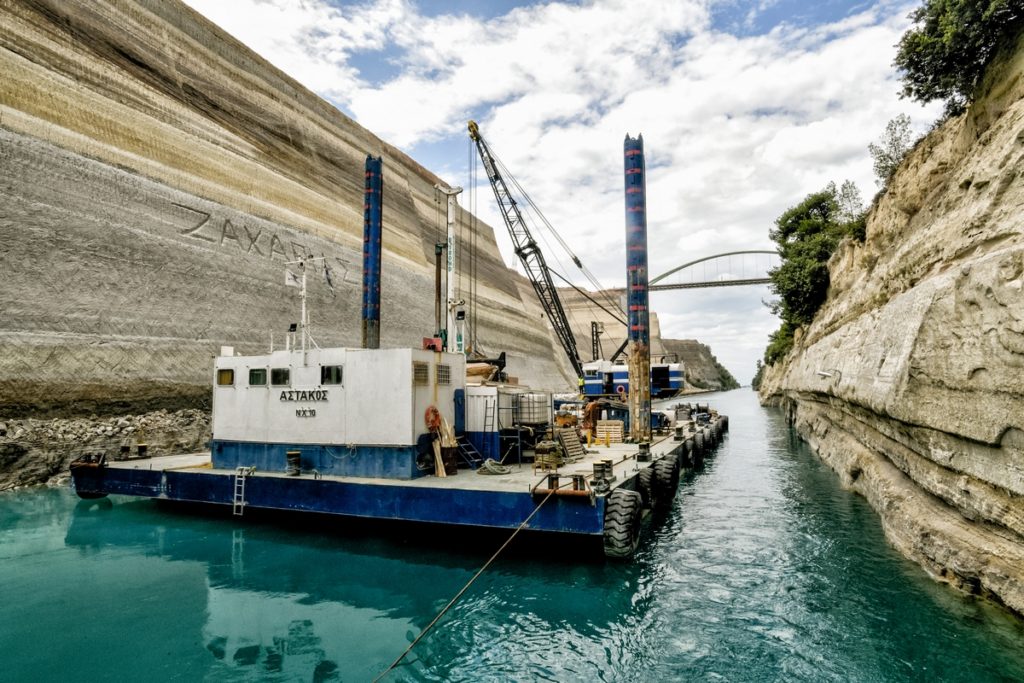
(293, 281)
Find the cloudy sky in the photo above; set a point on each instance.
(745, 106)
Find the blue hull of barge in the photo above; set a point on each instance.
(440, 505)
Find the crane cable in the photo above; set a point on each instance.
(543, 219)
(458, 595)
(616, 314)
(472, 347)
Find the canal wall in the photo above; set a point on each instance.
(909, 382)
(155, 177)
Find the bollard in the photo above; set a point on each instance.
(644, 454)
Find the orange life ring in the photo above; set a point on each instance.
(432, 418)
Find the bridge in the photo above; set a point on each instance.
(730, 269)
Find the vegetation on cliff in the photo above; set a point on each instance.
(889, 151)
(945, 54)
(807, 235)
(758, 376)
(725, 379)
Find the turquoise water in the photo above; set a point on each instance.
(765, 570)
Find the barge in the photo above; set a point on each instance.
(353, 432)
(401, 434)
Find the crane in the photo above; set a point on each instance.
(529, 253)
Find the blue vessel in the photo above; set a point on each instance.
(605, 378)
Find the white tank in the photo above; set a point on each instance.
(534, 408)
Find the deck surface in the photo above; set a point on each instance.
(522, 478)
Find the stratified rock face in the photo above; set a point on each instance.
(155, 178)
(910, 381)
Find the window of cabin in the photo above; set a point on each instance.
(257, 377)
(225, 377)
(280, 376)
(330, 374)
(444, 374)
(420, 373)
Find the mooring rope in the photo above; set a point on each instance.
(464, 588)
(490, 466)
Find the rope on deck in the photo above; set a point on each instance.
(464, 589)
(491, 466)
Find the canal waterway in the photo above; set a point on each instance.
(764, 570)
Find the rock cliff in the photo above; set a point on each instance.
(908, 382)
(155, 177)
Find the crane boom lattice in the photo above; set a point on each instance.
(528, 252)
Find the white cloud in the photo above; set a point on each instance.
(736, 128)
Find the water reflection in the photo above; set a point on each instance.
(283, 600)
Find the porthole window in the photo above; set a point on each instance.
(258, 377)
(280, 376)
(225, 377)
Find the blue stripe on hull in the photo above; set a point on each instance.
(389, 462)
(496, 509)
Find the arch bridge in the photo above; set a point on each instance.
(729, 269)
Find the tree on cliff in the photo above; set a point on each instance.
(807, 235)
(755, 383)
(945, 54)
(891, 148)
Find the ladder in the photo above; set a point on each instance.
(489, 415)
(238, 504)
(468, 452)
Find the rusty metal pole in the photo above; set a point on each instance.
(637, 290)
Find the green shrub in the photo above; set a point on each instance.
(779, 343)
(807, 235)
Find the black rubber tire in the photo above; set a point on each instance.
(622, 514)
(686, 454)
(645, 487)
(666, 480)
